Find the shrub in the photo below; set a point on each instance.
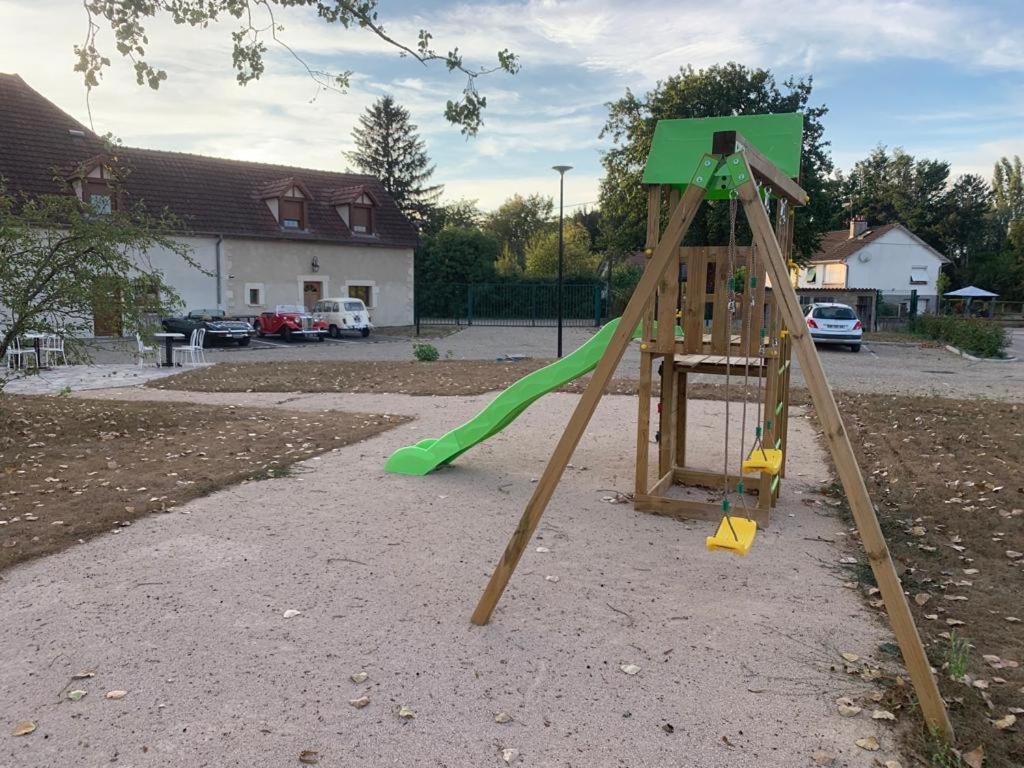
(425, 353)
(970, 334)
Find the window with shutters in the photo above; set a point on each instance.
(292, 213)
(361, 219)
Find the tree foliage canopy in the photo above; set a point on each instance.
(515, 222)
(457, 255)
(388, 147)
(720, 90)
(62, 263)
(542, 253)
(257, 25)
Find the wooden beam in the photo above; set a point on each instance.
(685, 509)
(643, 418)
(663, 255)
(729, 142)
(932, 706)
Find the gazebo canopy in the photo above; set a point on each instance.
(971, 292)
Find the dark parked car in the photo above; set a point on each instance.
(218, 328)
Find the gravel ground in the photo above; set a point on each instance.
(185, 612)
(879, 367)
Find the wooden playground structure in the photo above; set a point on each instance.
(751, 162)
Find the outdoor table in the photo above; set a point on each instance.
(36, 339)
(168, 346)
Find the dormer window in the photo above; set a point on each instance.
(356, 206)
(288, 200)
(361, 219)
(93, 182)
(293, 213)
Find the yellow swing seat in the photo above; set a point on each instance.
(763, 460)
(725, 541)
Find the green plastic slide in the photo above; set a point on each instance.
(428, 455)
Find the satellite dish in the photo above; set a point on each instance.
(863, 257)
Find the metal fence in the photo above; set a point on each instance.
(514, 304)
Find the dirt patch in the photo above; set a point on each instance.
(947, 478)
(444, 377)
(71, 469)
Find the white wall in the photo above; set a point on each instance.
(890, 259)
(196, 289)
(279, 267)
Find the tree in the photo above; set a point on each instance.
(258, 25)
(515, 222)
(542, 253)
(62, 262)
(968, 229)
(388, 147)
(1008, 198)
(729, 89)
(458, 255)
(461, 214)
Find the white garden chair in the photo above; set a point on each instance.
(17, 354)
(194, 349)
(53, 349)
(144, 351)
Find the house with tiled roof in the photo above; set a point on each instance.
(889, 260)
(263, 234)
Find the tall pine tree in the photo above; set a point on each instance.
(388, 147)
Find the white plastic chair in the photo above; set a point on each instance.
(194, 348)
(144, 351)
(53, 348)
(16, 354)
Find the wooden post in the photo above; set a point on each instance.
(932, 706)
(643, 418)
(663, 255)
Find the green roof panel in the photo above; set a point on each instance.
(680, 144)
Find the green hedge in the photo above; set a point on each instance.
(969, 334)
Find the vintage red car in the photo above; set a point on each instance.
(290, 322)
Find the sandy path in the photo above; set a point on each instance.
(184, 611)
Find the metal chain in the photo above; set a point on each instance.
(733, 205)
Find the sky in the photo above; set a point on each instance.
(942, 79)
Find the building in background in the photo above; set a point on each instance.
(889, 260)
(263, 234)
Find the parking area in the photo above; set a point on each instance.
(884, 367)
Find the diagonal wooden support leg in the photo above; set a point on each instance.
(644, 292)
(932, 705)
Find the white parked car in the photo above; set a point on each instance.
(343, 314)
(834, 324)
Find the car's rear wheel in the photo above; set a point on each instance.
(334, 332)
(365, 332)
(855, 347)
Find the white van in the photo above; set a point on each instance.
(343, 314)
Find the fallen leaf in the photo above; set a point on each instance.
(116, 694)
(24, 728)
(309, 757)
(84, 674)
(291, 613)
(360, 677)
(1013, 555)
(870, 743)
(629, 669)
(668, 728)
(1005, 722)
(76, 695)
(922, 597)
(542, 550)
(823, 758)
(975, 758)
(554, 579)
(503, 717)
(893, 764)
(846, 707)
(955, 622)
(359, 703)
(509, 755)
(882, 714)
(406, 712)
(851, 657)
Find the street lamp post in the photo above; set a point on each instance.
(561, 244)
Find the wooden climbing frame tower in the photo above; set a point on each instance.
(746, 160)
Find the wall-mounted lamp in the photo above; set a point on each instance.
(315, 266)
